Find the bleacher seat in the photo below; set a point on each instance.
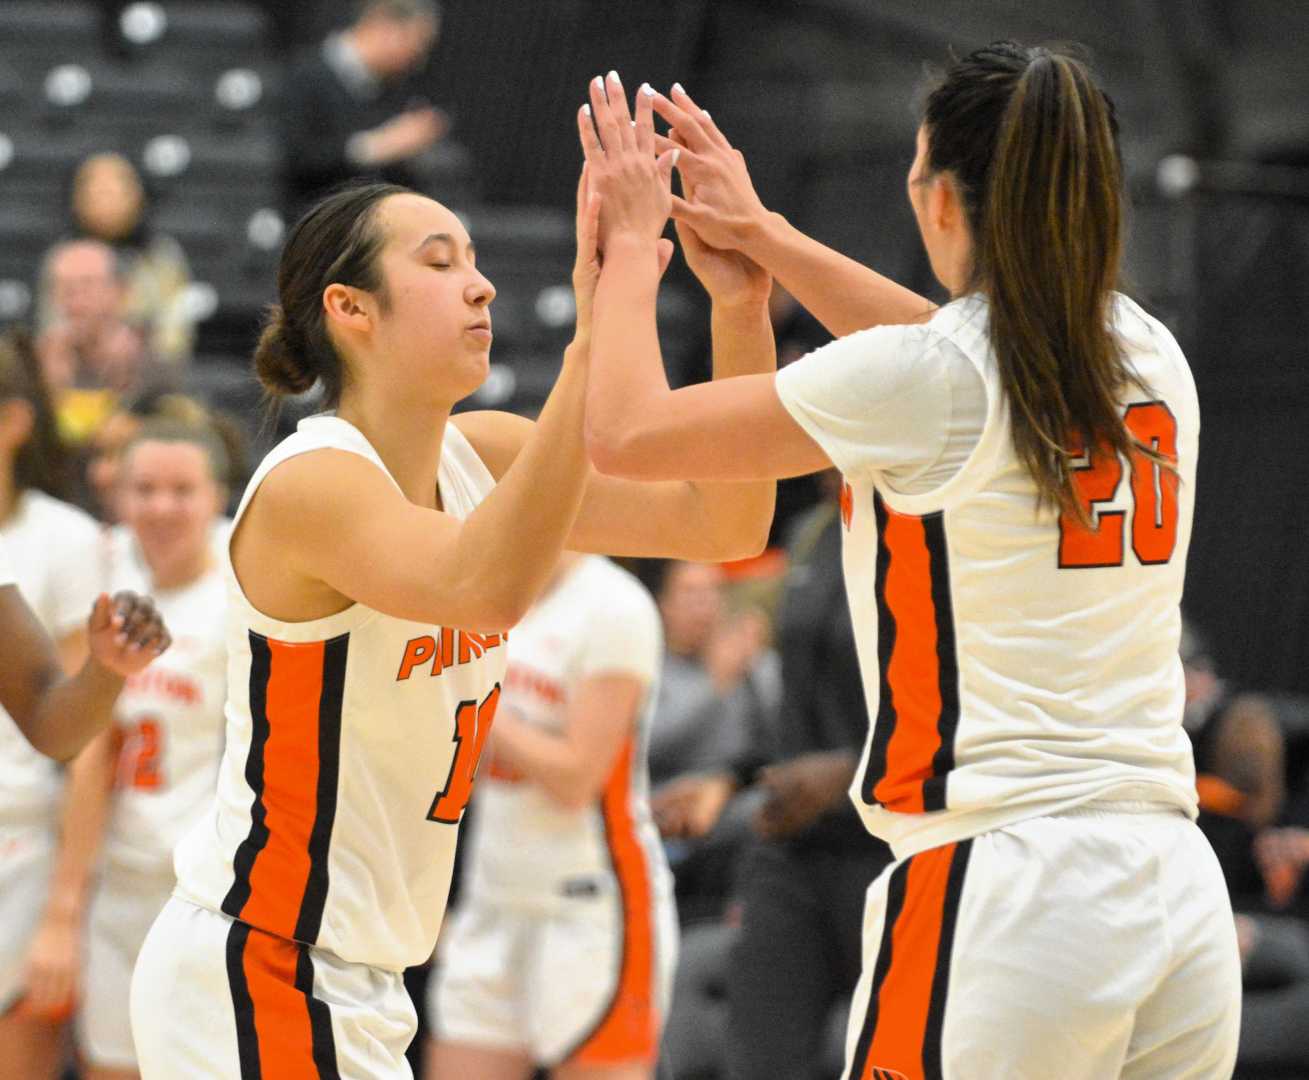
(36, 34)
(206, 35)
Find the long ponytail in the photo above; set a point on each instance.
(1032, 143)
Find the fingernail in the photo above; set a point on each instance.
(676, 154)
(586, 109)
(706, 112)
(598, 83)
(647, 89)
(633, 123)
(678, 87)
(613, 78)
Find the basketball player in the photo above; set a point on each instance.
(378, 557)
(162, 757)
(1019, 479)
(562, 951)
(54, 549)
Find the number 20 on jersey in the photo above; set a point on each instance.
(1153, 522)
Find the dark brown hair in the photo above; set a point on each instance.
(1032, 144)
(43, 461)
(336, 242)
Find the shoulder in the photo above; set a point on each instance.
(67, 522)
(496, 437)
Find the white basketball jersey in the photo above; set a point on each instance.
(170, 720)
(352, 742)
(56, 556)
(526, 849)
(1014, 662)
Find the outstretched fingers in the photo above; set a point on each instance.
(587, 135)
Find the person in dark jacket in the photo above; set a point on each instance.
(353, 108)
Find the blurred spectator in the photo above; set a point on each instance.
(351, 108)
(105, 451)
(91, 355)
(719, 676)
(109, 205)
(789, 972)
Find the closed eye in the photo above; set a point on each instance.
(440, 266)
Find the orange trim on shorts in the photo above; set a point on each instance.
(629, 1027)
(290, 794)
(281, 1019)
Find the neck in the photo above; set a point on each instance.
(407, 435)
(184, 573)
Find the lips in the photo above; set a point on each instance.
(480, 329)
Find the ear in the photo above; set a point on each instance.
(348, 308)
(943, 202)
(17, 419)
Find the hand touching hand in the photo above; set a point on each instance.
(690, 806)
(634, 184)
(126, 633)
(586, 267)
(720, 203)
(729, 277)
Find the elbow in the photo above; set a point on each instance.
(614, 451)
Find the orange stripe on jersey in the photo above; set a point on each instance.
(912, 749)
(283, 1031)
(629, 1028)
(902, 1029)
(281, 868)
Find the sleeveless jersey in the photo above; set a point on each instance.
(170, 719)
(56, 556)
(1015, 663)
(351, 746)
(526, 849)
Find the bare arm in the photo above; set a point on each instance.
(59, 715)
(573, 765)
(840, 293)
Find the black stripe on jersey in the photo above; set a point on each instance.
(954, 890)
(884, 724)
(261, 664)
(320, 1018)
(310, 919)
(243, 1007)
(895, 892)
(947, 662)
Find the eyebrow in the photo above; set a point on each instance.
(445, 238)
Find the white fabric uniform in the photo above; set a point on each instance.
(566, 937)
(1016, 665)
(351, 745)
(170, 718)
(56, 559)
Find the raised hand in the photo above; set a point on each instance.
(729, 277)
(126, 633)
(634, 184)
(721, 203)
(586, 266)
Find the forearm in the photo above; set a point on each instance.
(71, 711)
(743, 344)
(87, 795)
(840, 293)
(512, 541)
(547, 759)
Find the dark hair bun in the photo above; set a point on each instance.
(283, 369)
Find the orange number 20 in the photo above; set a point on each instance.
(472, 726)
(1154, 498)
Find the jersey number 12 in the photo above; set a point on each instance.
(472, 726)
(1154, 498)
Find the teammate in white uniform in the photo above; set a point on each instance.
(1053, 910)
(161, 760)
(53, 552)
(378, 556)
(561, 953)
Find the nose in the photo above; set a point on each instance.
(480, 290)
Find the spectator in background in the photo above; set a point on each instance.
(91, 355)
(109, 205)
(790, 971)
(351, 107)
